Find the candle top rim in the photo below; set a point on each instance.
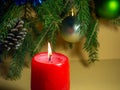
(56, 59)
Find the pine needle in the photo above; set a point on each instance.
(13, 13)
(17, 63)
(83, 15)
(91, 44)
(41, 39)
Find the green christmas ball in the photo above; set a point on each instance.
(108, 9)
(70, 29)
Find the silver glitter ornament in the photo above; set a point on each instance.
(70, 29)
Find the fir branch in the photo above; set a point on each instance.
(13, 12)
(91, 45)
(116, 21)
(8, 26)
(25, 12)
(85, 18)
(83, 15)
(92, 34)
(50, 16)
(51, 8)
(52, 35)
(41, 39)
(66, 3)
(17, 63)
(28, 42)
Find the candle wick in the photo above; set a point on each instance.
(50, 57)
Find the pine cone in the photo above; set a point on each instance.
(15, 36)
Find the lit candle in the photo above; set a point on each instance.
(50, 71)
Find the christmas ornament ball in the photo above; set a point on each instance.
(108, 9)
(70, 29)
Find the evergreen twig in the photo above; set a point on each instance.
(13, 12)
(83, 15)
(41, 39)
(17, 63)
(51, 21)
(91, 45)
(116, 21)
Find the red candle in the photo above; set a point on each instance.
(50, 73)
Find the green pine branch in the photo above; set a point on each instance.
(116, 21)
(18, 57)
(41, 40)
(17, 63)
(52, 36)
(14, 12)
(91, 44)
(89, 28)
(83, 16)
(49, 14)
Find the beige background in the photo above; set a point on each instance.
(109, 38)
(102, 75)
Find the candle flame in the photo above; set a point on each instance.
(49, 51)
(72, 12)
